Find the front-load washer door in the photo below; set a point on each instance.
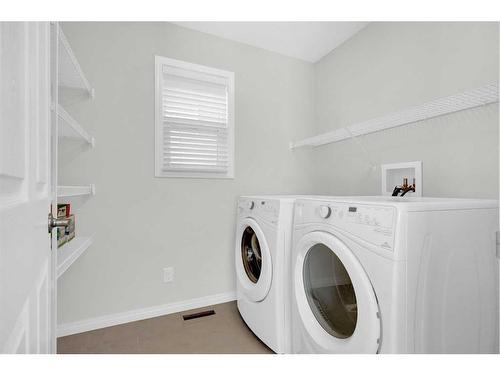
(253, 260)
(334, 296)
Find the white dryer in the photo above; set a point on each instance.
(394, 275)
(262, 250)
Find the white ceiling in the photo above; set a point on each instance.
(308, 41)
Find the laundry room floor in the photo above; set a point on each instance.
(225, 332)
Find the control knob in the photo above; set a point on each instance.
(325, 211)
(250, 205)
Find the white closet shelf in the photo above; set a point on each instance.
(71, 128)
(480, 96)
(70, 72)
(74, 191)
(70, 252)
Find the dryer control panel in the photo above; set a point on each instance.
(372, 223)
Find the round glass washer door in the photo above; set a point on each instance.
(253, 260)
(334, 296)
(251, 254)
(329, 291)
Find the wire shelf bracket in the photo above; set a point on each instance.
(71, 128)
(70, 72)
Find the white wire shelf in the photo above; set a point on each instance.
(480, 96)
(68, 253)
(70, 72)
(65, 191)
(71, 128)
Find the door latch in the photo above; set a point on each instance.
(57, 222)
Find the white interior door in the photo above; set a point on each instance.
(26, 277)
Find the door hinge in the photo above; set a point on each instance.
(498, 244)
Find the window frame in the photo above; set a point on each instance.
(160, 62)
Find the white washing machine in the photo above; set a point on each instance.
(394, 275)
(262, 256)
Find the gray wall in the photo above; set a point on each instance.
(391, 66)
(142, 223)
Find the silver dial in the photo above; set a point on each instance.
(325, 211)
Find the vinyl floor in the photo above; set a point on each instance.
(222, 333)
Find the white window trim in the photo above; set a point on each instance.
(160, 61)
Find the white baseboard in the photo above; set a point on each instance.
(139, 314)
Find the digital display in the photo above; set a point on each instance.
(353, 209)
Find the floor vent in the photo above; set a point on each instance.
(197, 315)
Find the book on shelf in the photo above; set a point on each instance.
(65, 235)
(70, 230)
(63, 210)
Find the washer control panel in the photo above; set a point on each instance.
(372, 223)
(262, 209)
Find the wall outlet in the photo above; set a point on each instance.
(168, 274)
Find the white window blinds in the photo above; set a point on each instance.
(194, 127)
